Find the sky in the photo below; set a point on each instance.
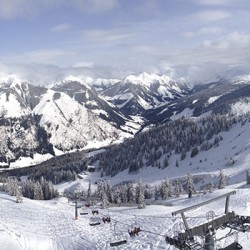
(186, 39)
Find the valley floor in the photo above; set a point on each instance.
(50, 225)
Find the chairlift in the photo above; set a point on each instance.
(83, 212)
(95, 221)
(117, 239)
(95, 212)
(106, 217)
(234, 245)
(134, 229)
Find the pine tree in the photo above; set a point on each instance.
(164, 190)
(177, 188)
(117, 196)
(140, 195)
(104, 199)
(14, 189)
(89, 190)
(190, 186)
(124, 192)
(248, 177)
(19, 195)
(131, 193)
(38, 192)
(222, 180)
(211, 187)
(157, 193)
(109, 192)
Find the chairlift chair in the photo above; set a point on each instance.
(95, 221)
(106, 218)
(233, 246)
(95, 212)
(117, 239)
(134, 229)
(83, 212)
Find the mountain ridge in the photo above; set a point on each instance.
(74, 114)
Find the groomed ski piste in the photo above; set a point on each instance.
(51, 225)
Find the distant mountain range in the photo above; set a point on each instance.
(79, 112)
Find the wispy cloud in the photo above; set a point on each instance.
(109, 35)
(95, 5)
(211, 15)
(61, 27)
(204, 31)
(47, 56)
(11, 9)
(83, 64)
(215, 2)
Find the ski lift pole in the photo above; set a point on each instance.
(76, 211)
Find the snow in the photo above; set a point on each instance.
(121, 97)
(187, 112)
(241, 107)
(81, 79)
(70, 123)
(213, 99)
(242, 79)
(12, 106)
(50, 225)
(27, 161)
(9, 78)
(148, 79)
(143, 103)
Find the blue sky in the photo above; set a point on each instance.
(195, 39)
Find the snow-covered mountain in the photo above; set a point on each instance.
(203, 145)
(137, 93)
(216, 97)
(75, 113)
(71, 116)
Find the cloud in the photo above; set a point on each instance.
(211, 15)
(212, 57)
(45, 56)
(11, 9)
(215, 2)
(24, 8)
(95, 5)
(204, 31)
(110, 35)
(61, 27)
(14, 8)
(149, 8)
(83, 65)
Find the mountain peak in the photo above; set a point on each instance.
(10, 79)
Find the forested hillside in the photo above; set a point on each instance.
(155, 146)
